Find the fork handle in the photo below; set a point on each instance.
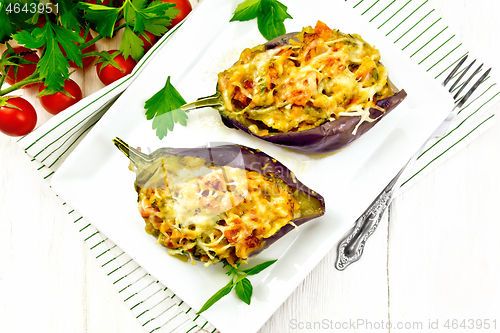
(351, 248)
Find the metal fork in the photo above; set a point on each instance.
(351, 247)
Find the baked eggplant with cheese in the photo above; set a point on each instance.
(223, 203)
(314, 92)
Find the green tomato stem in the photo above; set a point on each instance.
(92, 54)
(2, 79)
(99, 37)
(29, 80)
(90, 42)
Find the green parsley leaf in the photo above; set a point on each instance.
(158, 26)
(217, 296)
(103, 17)
(259, 268)
(10, 21)
(35, 39)
(159, 8)
(140, 18)
(131, 44)
(270, 15)
(247, 10)
(70, 15)
(129, 13)
(139, 3)
(68, 39)
(6, 28)
(155, 10)
(244, 290)
(53, 65)
(171, 12)
(164, 107)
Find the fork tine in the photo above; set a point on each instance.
(474, 87)
(467, 82)
(454, 70)
(461, 76)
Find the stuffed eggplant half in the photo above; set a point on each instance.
(224, 203)
(314, 92)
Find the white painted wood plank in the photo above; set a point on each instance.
(330, 297)
(444, 230)
(47, 272)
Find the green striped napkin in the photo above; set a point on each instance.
(415, 27)
(412, 25)
(153, 304)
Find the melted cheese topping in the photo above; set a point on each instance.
(213, 213)
(301, 86)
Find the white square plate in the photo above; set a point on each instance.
(95, 179)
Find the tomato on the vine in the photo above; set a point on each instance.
(109, 74)
(19, 73)
(85, 60)
(152, 39)
(58, 102)
(185, 8)
(17, 116)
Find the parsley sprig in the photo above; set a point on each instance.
(139, 16)
(242, 286)
(270, 15)
(164, 109)
(62, 31)
(166, 103)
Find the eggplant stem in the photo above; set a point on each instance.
(213, 100)
(133, 154)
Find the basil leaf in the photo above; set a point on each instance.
(247, 10)
(259, 268)
(270, 20)
(217, 296)
(244, 290)
(280, 9)
(270, 16)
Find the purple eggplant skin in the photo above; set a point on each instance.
(281, 40)
(328, 137)
(242, 157)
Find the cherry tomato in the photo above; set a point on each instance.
(17, 122)
(185, 8)
(41, 21)
(23, 70)
(147, 45)
(86, 60)
(110, 74)
(58, 102)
